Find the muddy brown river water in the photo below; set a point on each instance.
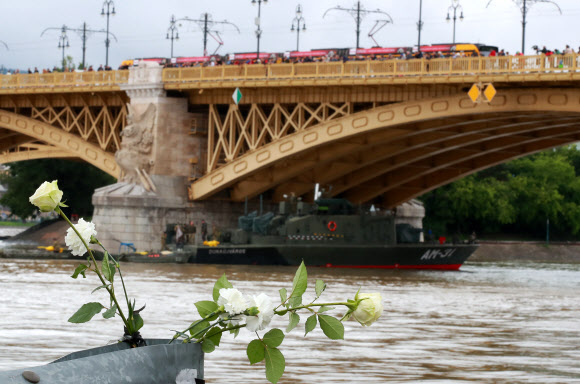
(488, 323)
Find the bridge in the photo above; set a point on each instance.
(370, 131)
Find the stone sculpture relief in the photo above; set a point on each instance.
(135, 157)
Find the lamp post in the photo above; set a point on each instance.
(358, 13)
(258, 31)
(172, 33)
(296, 22)
(524, 6)
(206, 23)
(63, 44)
(420, 25)
(454, 6)
(110, 5)
(84, 33)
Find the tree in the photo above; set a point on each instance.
(516, 197)
(78, 181)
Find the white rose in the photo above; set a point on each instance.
(234, 303)
(47, 196)
(73, 241)
(262, 320)
(370, 309)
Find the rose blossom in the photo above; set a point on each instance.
(47, 196)
(234, 304)
(368, 310)
(266, 308)
(73, 241)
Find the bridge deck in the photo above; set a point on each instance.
(436, 71)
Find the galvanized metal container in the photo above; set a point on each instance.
(158, 362)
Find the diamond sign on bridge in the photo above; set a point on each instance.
(474, 93)
(237, 96)
(482, 92)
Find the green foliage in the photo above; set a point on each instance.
(273, 338)
(332, 327)
(107, 268)
(319, 288)
(255, 351)
(300, 281)
(110, 312)
(85, 313)
(205, 308)
(80, 270)
(221, 283)
(516, 197)
(275, 364)
(310, 324)
(294, 320)
(78, 181)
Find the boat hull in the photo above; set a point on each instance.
(405, 256)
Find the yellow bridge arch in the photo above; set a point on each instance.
(56, 144)
(400, 151)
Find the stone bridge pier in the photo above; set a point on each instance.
(163, 147)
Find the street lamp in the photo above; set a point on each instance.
(258, 31)
(108, 4)
(524, 6)
(358, 13)
(455, 6)
(296, 22)
(420, 25)
(174, 33)
(63, 44)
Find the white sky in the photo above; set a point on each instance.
(141, 26)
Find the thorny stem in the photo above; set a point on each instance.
(120, 274)
(307, 306)
(111, 293)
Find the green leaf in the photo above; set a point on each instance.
(205, 308)
(215, 335)
(294, 320)
(273, 338)
(295, 301)
(80, 270)
(198, 328)
(281, 313)
(207, 346)
(221, 283)
(325, 308)
(283, 294)
(300, 281)
(275, 365)
(236, 332)
(331, 327)
(255, 351)
(110, 312)
(310, 324)
(320, 287)
(108, 272)
(85, 313)
(101, 287)
(137, 322)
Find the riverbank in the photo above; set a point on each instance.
(490, 251)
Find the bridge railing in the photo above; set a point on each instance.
(388, 68)
(64, 79)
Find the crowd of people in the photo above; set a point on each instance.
(402, 54)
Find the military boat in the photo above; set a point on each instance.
(330, 233)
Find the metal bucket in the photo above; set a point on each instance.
(158, 362)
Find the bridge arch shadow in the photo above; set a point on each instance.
(27, 139)
(393, 153)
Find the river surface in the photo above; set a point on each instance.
(488, 323)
